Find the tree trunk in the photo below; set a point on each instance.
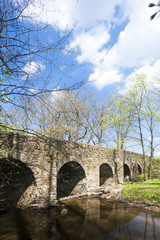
(143, 149)
(151, 153)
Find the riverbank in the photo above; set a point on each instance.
(144, 195)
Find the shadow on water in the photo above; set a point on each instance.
(90, 219)
(21, 227)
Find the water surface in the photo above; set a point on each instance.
(87, 219)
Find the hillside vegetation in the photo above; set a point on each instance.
(145, 191)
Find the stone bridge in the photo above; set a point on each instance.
(39, 170)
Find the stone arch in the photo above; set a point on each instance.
(127, 172)
(15, 178)
(69, 175)
(105, 172)
(137, 170)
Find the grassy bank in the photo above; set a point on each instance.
(148, 191)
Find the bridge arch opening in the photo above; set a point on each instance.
(15, 178)
(69, 175)
(127, 173)
(137, 170)
(105, 173)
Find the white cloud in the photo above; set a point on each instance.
(34, 90)
(136, 47)
(101, 78)
(138, 43)
(57, 94)
(157, 154)
(65, 13)
(31, 68)
(151, 71)
(90, 43)
(155, 139)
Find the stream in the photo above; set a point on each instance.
(84, 218)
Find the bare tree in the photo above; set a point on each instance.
(27, 56)
(95, 119)
(62, 115)
(157, 11)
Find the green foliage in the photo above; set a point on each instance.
(139, 178)
(118, 119)
(157, 160)
(90, 160)
(4, 150)
(3, 100)
(4, 115)
(155, 169)
(148, 191)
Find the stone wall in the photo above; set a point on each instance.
(54, 169)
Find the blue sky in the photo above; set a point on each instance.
(110, 41)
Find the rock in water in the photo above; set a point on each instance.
(64, 212)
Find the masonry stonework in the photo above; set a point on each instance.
(51, 169)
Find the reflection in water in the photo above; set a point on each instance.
(21, 227)
(90, 219)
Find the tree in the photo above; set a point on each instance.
(142, 97)
(95, 122)
(22, 117)
(66, 115)
(27, 55)
(152, 120)
(152, 117)
(136, 97)
(73, 112)
(157, 12)
(23, 38)
(118, 119)
(62, 115)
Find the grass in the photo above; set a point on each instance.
(148, 191)
(139, 178)
(155, 168)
